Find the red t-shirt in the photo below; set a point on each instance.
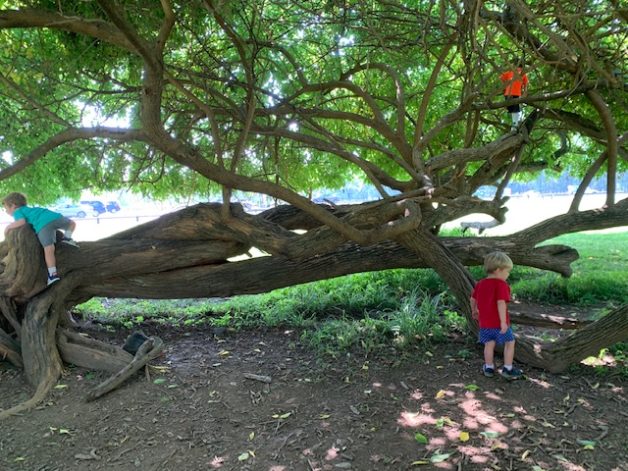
(514, 82)
(486, 294)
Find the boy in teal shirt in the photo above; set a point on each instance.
(45, 224)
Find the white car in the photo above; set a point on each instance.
(75, 210)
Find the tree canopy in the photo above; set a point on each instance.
(285, 97)
(281, 98)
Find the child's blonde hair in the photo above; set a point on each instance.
(15, 199)
(496, 260)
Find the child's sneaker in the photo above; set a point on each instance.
(69, 241)
(53, 278)
(514, 373)
(488, 372)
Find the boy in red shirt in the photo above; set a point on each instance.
(516, 84)
(489, 305)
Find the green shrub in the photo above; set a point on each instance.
(420, 319)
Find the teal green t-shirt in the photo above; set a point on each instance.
(36, 217)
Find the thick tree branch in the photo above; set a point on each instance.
(69, 135)
(611, 146)
(95, 28)
(139, 44)
(601, 218)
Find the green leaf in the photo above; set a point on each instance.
(472, 387)
(420, 438)
(244, 456)
(587, 444)
(439, 457)
(159, 381)
(442, 421)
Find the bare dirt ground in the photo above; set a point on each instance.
(431, 409)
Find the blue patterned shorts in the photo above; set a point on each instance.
(487, 335)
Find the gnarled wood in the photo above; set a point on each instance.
(10, 349)
(24, 271)
(8, 308)
(546, 320)
(149, 350)
(589, 340)
(42, 363)
(91, 353)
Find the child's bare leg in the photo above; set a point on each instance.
(509, 353)
(49, 256)
(69, 231)
(489, 351)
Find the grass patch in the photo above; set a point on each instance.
(600, 275)
(420, 319)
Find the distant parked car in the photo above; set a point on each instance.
(76, 210)
(97, 205)
(113, 206)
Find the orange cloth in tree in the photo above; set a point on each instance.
(515, 82)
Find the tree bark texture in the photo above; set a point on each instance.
(190, 254)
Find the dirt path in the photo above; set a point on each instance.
(430, 410)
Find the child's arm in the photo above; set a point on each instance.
(501, 309)
(14, 225)
(474, 309)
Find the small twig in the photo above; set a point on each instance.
(602, 435)
(285, 440)
(262, 378)
(119, 455)
(571, 409)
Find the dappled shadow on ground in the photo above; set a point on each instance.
(430, 410)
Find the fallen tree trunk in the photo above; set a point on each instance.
(262, 274)
(189, 254)
(588, 341)
(547, 321)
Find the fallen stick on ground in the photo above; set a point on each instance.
(263, 379)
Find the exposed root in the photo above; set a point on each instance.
(40, 394)
(148, 351)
